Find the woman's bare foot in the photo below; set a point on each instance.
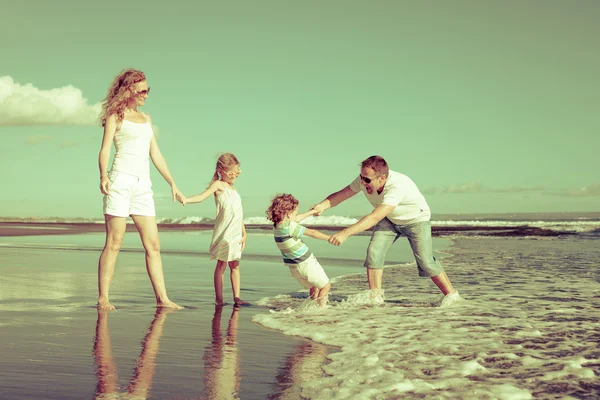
(168, 304)
(104, 305)
(239, 302)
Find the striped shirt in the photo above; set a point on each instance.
(287, 236)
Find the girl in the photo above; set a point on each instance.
(126, 187)
(229, 235)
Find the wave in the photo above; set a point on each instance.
(587, 226)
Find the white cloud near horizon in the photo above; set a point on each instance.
(26, 105)
(474, 188)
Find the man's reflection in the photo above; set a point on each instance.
(221, 359)
(106, 369)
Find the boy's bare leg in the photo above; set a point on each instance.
(218, 281)
(115, 230)
(322, 294)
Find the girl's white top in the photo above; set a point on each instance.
(227, 233)
(132, 145)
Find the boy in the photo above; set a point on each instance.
(296, 255)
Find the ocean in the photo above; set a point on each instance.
(527, 327)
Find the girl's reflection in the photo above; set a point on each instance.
(106, 369)
(221, 359)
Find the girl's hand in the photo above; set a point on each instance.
(104, 185)
(243, 242)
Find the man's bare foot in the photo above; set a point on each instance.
(104, 305)
(168, 304)
(239, 302)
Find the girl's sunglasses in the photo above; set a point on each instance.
(236, 173)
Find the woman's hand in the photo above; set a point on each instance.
(243, 242)
(104, 185)
(177, 195)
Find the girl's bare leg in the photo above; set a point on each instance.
(218, 281)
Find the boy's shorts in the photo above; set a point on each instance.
(129, 195)
(310, 273)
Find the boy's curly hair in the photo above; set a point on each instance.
(281, 205)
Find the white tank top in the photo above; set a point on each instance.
(132, 145)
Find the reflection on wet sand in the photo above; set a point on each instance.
(303, 365)
(221, 359)
(106, 369)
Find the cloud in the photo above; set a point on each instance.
(464, 188)
(591, 190)
(37, 139)
(430, 190)
(471, 188)
(26, 105)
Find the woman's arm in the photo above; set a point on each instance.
(161, 165)
(110, 127)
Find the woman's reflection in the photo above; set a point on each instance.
(106, 369)
(221, 359)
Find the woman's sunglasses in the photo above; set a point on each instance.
(141, 92)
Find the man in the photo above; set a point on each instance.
(400, 209)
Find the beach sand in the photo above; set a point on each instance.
(55, 345)
(528, 327)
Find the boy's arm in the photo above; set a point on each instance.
(213, 187)
(305, 215)
(313, 233)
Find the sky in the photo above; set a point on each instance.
(489, 106)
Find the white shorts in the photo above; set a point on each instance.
(129, 195)
(310, 273)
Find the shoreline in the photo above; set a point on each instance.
(67, 228)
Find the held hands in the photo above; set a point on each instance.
(177, 195)
(104, 184)
(338, 238)
(318, 209)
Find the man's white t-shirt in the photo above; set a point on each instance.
(399, 191)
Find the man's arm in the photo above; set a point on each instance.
(366, 222)
(333, 200)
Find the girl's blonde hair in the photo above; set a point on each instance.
(119, 94)
(281, 206)
(224, 162)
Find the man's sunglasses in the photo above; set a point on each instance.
(142, 92)
(367, 180)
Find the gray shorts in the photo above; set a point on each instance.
(418, 234)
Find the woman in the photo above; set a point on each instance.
(127, 187)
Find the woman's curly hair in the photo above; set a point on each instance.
(119, 94)
(280, 207)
